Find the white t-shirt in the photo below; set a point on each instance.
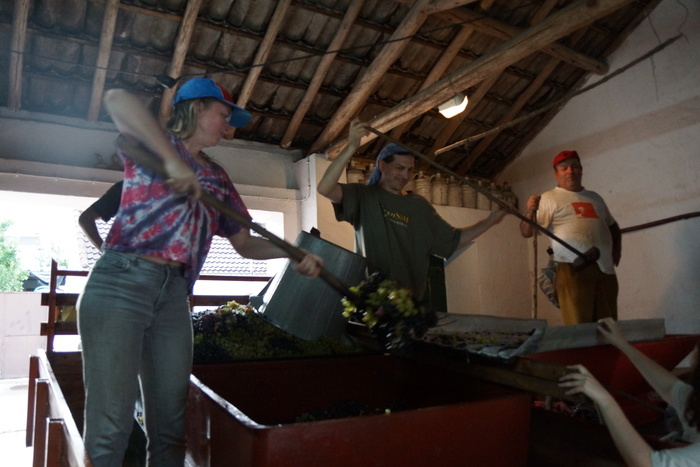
(687, 455)
(581, 219)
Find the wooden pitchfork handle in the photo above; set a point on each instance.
(135, 150)
(583, 258)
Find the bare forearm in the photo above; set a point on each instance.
(660, 379)
(257, 248)
(470, 233)
(328, 186)
(132, 118)
(635, 451)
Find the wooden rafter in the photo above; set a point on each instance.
(107, 36)
(371, 76)
(571, 18)
(321, 72)
(439, 68)
(182, 43)
(19, 34)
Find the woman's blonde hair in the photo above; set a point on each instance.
(183, 117)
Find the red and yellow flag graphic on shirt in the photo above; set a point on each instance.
(585, 210)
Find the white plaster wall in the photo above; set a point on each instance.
(20, 325)
(639, 139)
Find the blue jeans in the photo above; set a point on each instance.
(134, 324)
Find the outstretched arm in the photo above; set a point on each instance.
(657, 376)
(329, 186)
(470, 233)
(632, 447)
(252, 247)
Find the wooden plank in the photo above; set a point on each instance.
(41, 411)
(55, 444)
(98, 81)
(19, 36)
(62, 299)
(586, 335)
(367, 82)
(321, 71)
(570, 18)
(182, 43)
(31, 396)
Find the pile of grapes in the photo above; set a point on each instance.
(235, 332)
(342, 409)
(388, 311)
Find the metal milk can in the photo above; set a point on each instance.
(438, 190)
(468, 196)
(454, 193)
(422, 186)
(482, 201)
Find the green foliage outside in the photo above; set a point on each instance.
(11, 275)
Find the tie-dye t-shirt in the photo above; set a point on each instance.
(154, 220)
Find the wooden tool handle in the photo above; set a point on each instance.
(143, 156)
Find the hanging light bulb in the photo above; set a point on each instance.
(453, 106)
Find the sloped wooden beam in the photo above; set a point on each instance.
(367, 82)
(500, 30)
(261, 55)
(439, 68)
(182, 43)
(19, 35)
(574, 16)
(455, 122)
(321, 72)
(442, 5)
(524, 97)
(263, 52)
(98, 80)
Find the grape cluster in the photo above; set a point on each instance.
(388, 311)
(235, 332)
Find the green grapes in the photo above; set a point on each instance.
(236, 332)
(388, 311)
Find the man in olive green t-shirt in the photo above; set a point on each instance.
(396, 232)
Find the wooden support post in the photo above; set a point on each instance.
(41, 413)
(54, 443)
(31, 395)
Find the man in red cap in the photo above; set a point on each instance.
(581, 218)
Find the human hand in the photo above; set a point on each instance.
(533, 203)
(580, 381)
(181, 178)
(497, 215)
(358, 129)
(611, 331)
(309, 266)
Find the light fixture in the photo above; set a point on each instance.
(453, 106)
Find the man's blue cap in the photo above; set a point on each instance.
(199, 88)
(388, 150)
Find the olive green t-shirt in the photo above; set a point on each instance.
(397, 234)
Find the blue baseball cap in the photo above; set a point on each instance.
(199, 88)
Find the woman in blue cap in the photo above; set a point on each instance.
(133, 316)
(396, 231)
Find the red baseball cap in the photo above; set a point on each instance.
(563, 156)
